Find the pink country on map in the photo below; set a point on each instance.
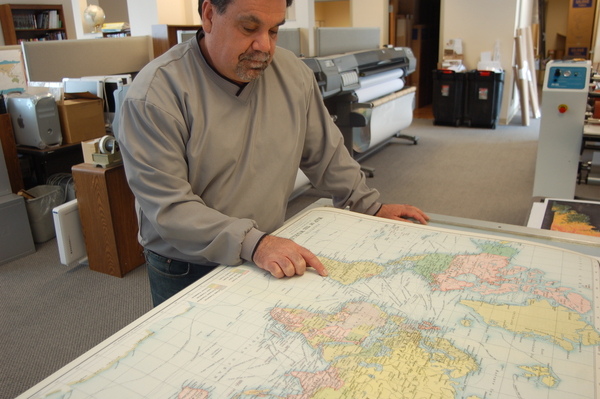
(495, 275)
(192, 393)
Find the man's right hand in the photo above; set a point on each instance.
(282, 257)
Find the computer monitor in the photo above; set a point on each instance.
(109, 84)
(77, 85)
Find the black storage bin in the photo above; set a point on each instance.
(448, 97)
(484, 98)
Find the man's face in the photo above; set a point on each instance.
(240, 43)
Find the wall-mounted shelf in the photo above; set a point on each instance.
(32, 22)
(120, 33)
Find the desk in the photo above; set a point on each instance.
(46, 162)
(428, 311)
(108, 220)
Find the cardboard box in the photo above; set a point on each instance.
(81, 117)
(453, 50)
(404, 25)
(89, 148)
(579, 28)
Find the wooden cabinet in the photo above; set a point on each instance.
(165, 36)
(9, 147)
(108, 220)
(41, 164)
(32, 22)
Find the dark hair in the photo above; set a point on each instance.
(221, 5)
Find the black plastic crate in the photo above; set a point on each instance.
(448, 97)
(483, 99)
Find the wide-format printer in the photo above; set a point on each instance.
(365, 93)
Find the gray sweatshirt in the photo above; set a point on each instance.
(212, 166)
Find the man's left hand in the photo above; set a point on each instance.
(402, 212)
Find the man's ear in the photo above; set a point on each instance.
(207, 15)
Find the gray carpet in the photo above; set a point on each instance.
(484, 174)
(51, 313)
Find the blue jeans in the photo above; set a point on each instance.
(168, 276)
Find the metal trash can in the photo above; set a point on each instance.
(39, 211)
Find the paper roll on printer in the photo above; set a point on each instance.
(375, 86)
(366, 94)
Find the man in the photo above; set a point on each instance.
(212, 134)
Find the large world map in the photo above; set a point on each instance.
(407, 311)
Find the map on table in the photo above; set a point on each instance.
(407, 311)
(572, 216)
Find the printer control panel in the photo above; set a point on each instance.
(567, 77)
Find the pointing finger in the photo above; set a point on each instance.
(314, 262)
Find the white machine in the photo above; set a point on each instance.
(35, 120)
(564, 97)
(69, 233)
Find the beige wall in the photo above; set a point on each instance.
(333, 14)
(371, 13)
(177, 12)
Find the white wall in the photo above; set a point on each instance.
(81, 28)
(142, 15)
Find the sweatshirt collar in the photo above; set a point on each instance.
(241, 91)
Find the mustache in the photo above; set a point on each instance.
(255, 56)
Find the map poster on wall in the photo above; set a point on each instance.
(12, 71)
(572, 216)
(407, 311)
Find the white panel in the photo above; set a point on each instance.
(290, 39)
(52, 61)
(330, 41)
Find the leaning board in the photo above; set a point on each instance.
(420, 310)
